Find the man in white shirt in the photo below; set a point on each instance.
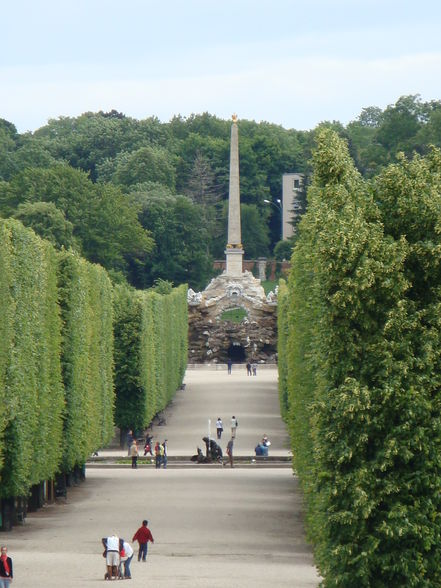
(111, 545)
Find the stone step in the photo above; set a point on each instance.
(185, 462)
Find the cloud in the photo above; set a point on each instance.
(296, 92)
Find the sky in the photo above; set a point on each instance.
(286, 62)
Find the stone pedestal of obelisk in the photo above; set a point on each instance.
(234, 250)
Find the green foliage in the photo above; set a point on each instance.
(283, 249)
(57, 357)
(131, 399)
(180, 255)
(269, 285)
(105, 227)
(359, 348)
(283, 329)
(31, 423)
(6, 328)
(163, 286)
(188, 156)
(235, 315)
(150, 352)
(47, 221)
(147, 164)
(87, 357)
(254, 230)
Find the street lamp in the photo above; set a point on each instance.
(278, 205)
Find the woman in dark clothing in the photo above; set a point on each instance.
(5, 568)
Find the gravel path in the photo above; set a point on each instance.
(213, 527)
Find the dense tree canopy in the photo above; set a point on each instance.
(105, 227)
(360, 352)
(89, 166)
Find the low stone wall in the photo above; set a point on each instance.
(223, 366)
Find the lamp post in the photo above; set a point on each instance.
(278, 204)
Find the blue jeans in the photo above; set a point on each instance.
(142, 551)
(127, 573)
(5, 582)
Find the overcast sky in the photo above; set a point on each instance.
(289, 62)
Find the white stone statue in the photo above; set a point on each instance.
(194, 298)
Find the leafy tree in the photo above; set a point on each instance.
(180, 252)
(147, 164)
(370, 117)
(90, 139)
(283, 249)
(255, 234)
(47, 221)
(430, 133)
(204, 190)
(360, 363)
(400, 123)
(105, 226)
(31, 153)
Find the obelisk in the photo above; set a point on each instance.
(234, 251)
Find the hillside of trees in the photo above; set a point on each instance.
(147, 199)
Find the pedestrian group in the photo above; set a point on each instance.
(119, 553)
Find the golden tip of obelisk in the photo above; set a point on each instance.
(234, 117)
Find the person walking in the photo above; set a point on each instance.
(128, 556)
(158, 455)
(165, 453)
(234, 424)
(219, 427)
(254, 368)
(148, 444)
(230, 451)
(133, 451)
(248, 369)
(129, 440)
(6, 574)
(143, 535)
(230, 365)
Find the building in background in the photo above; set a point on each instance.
(292, 188)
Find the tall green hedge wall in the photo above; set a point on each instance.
(57, 354)
(151, 337)
(30, 376)
(360, 369)
(87, 357)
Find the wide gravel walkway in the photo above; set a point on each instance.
(213, 526)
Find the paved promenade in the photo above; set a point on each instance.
(213, 526)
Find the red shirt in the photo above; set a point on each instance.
(143, 535)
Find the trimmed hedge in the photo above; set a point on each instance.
(150, 352)
(30, 360)
(57, 358)
(87, 357)
(282, 343)
(360, 369)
